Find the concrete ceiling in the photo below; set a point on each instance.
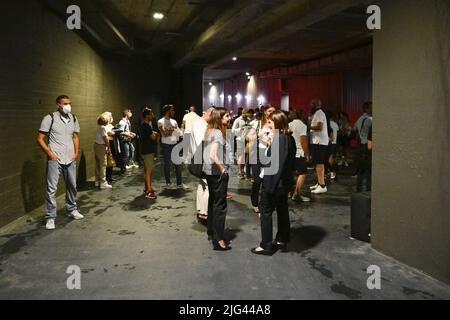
(262, 33)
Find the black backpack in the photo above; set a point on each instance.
(196, 169)
(53, 120)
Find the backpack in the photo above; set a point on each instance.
(53, 120)
(196, 169)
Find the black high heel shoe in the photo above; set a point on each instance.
(218, 247)
(263, 252)
(282, 246)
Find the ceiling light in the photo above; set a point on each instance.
(211, 84)
(158, 16)
(234, 58)
(247, 74)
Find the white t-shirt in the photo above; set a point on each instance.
(334, 126)
(320, 137)
(169, 124)
(298, 129)
(189, 119)
(237, 129)
(109, 128)
(99, 134)
(199, 127)
(363, 125)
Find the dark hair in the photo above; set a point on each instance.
(367, 105)
(167, 108)
(61, 97)
(215, 120)
(146, 112)
(280, 120)
(125, 112)
(300, 113)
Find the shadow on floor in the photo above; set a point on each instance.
(305, 238)
(140, 203)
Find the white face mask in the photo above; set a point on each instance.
(67, 108)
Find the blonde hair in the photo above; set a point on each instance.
(108, 115)
(103, 119)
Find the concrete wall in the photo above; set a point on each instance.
(411, 185)
(39, 60)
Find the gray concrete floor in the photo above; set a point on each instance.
(129, 247)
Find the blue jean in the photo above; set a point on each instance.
(167, 151)
(125, 152)
(69, 172)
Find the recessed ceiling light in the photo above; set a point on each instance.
(158, 16)
(234, 58)
(247, 74)
(210, 83)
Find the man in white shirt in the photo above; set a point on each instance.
(300, 134)
(237, 130)
(188, 120)
(319, 145)
(170, 134)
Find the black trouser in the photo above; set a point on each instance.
(217, 206)
(364, 172)
(167, 154)
(256, 186)
(359, 159)
(270, 202)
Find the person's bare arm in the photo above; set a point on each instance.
(370, 145)
(305, 146)
(43, 145)
(317, 127)
(76, 146)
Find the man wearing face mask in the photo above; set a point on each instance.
(62, 129)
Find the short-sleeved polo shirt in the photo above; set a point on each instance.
(61, 135)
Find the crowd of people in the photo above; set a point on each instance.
(253, 140)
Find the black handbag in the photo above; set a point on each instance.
(196, 169)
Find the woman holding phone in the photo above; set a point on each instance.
(276, 185)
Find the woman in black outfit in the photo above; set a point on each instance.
(276, 187)
(256, 138)
(217, 176)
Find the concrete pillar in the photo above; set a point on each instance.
(193, 87)
(411, 158)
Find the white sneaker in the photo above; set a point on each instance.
(76, 215)
(305, 199)
(183, 186)
(97, 184)
(50, 224)
(129, 167)
(319, 190)
(314, 187)
(135, 166)
(104, 186)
